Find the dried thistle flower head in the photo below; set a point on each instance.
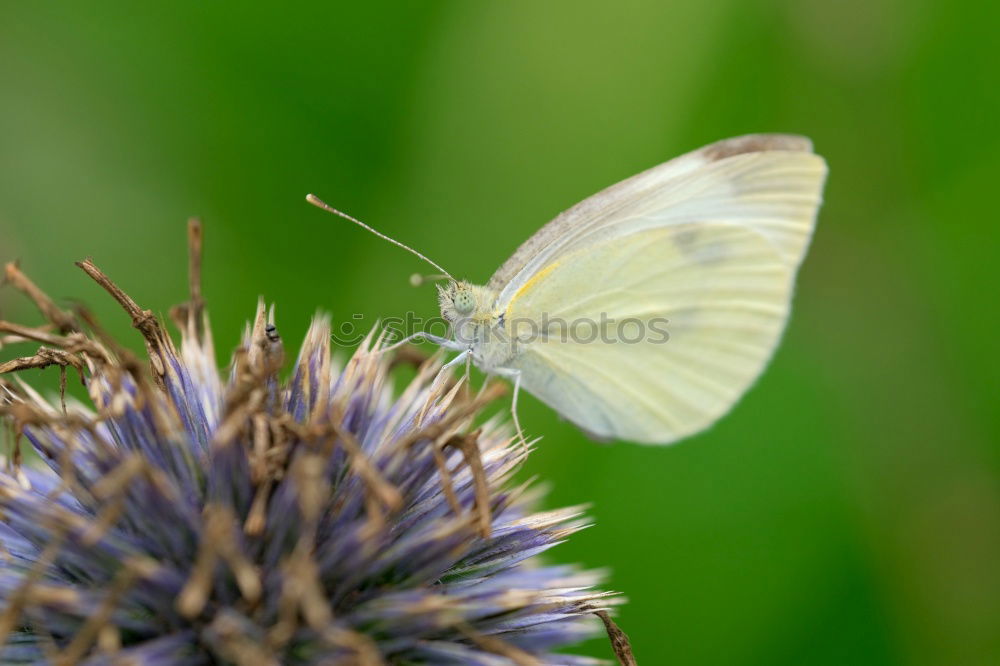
(190, 518)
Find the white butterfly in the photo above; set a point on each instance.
(697, 255)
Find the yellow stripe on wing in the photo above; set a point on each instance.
(527, 285)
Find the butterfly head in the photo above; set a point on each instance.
(461, 300)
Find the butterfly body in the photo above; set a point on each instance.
(477, 325)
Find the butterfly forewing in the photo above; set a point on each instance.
(771, 183)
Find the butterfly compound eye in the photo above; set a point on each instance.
(464, 302)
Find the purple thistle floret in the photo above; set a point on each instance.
(186, 518)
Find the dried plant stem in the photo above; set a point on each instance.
(144, 320)
(456, 415)
(43, 359)
(374, 481)
(469, 446)
(619, 640)
(446, 483)
(65, 321)
(74, 342)
(189, 316)
(195, 236)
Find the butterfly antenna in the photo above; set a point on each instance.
(417, 279)
(319, 203)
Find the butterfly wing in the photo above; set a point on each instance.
(676, 323)
(769, 182)
(702, 253)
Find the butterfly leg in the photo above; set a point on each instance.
(515, 377)
(464, 357)
(452, 345)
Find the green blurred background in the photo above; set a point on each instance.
(846, 512)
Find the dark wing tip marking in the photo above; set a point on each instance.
(755, 143)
